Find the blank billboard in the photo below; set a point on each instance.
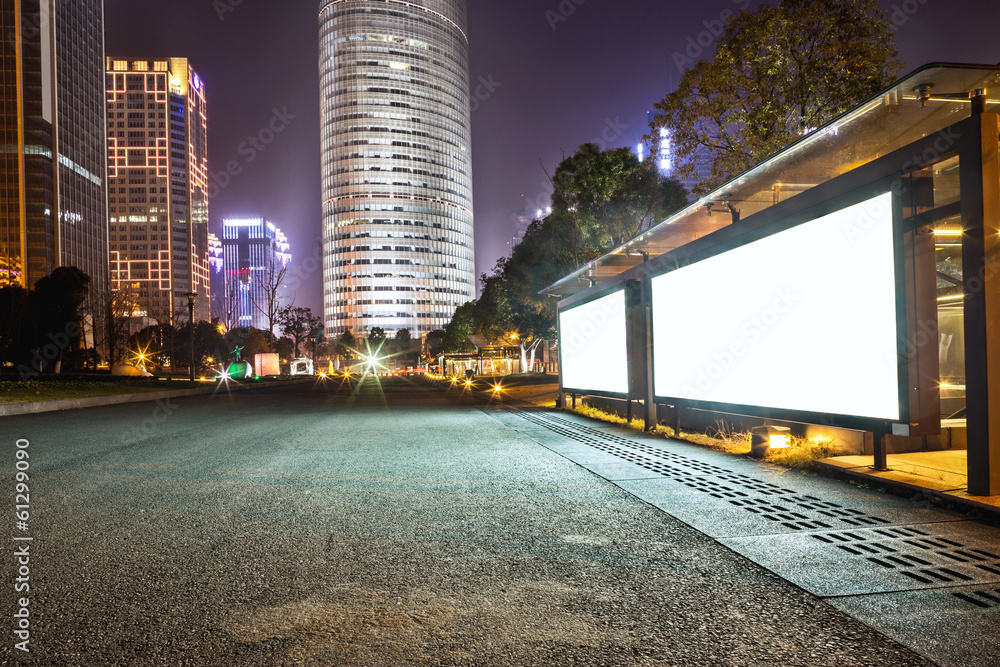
(592, 345)
(804, 319)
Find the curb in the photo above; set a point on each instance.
(36, 407)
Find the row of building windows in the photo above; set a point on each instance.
(437, 317)
(363, 158)
(447, 116)
(398, 262)
(339, 250)
(344, 289)
(454, 277)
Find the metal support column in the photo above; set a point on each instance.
(879, 448)
(979, 156)
(648, 398)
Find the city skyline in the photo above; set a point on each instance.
(532, 105)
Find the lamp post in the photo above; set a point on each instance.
(191, 296)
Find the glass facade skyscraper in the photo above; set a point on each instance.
(158, 186)
(254, 252)
(53, 197)
(397, 164)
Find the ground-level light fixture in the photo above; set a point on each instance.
(765, 438)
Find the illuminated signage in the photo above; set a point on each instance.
(804, 319)
(592, 345)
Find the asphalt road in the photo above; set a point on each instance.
(326, 525)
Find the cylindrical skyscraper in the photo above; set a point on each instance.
(397, 164)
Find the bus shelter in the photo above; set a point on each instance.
(851, 281)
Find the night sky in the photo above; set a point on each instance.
(548, 80)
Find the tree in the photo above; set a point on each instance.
(376, 339)
(253, 341)
(434, 343)
(318, 340)
(298, 323)
(17, 324)
(285, 348)
(608, 197)
(269, 303)
(778, 73)
(115, 307)
(56, 302)
(458, 330)
(404, 339)
(209, 344)
(151, 347)
(347, 344)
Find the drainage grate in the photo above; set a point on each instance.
(914, 553)
(781, 506)
(985, 599)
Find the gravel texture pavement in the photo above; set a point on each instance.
(332, 525)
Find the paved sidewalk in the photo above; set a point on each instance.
(925, 577)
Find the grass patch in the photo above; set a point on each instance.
(13, 391)
(722, 438)
(803, 452)
(610, 417)
(800, 454)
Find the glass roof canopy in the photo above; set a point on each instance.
(888, 121)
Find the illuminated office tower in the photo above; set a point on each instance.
(254, 252)
(396, 164)
(216, 277)
(53, 198)
(158, 182)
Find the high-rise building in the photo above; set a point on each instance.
(53, 197)
(217, 279)
(158, 183)
(668, 166)
(396, 164)
(254, 252)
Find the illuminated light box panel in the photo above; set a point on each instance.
(804, 319)
(592, 344)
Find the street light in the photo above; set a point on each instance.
(191, 296)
